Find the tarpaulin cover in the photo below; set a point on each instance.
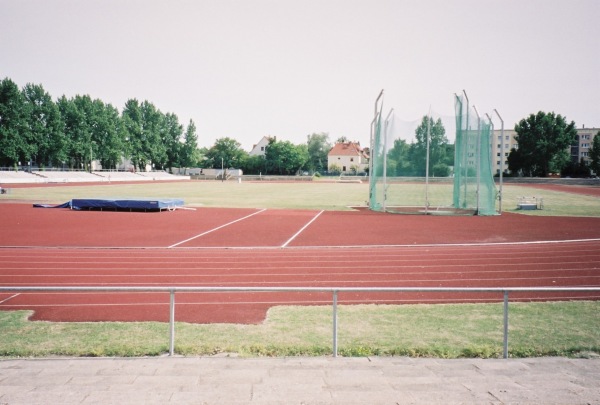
(138, 204)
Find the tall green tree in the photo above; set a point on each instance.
(47, 141)
(437, 147)
(544, 140)
(146, 133)
(226, 152)
(595, 154)
(132, 123)
(13, 125)
(152, 143)
(108, 135)
(76, 115)
(285, 158)
(171, 134)
(253, 164)
(398, 163)
(189, 155)
(318, 146)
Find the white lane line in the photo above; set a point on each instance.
(301, 230)
(216, 229)
(9, 298)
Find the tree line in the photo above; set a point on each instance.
(72, 132)
(37, 131)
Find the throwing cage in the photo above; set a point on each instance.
(414, 169)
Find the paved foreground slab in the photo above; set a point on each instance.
(319, 380)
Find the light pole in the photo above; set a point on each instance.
(222, 171)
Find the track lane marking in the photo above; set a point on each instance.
(9, 298)
(301, 230)
(215, 229)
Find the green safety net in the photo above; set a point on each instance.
(474, 184)
(417, 167)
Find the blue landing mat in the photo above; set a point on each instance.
(118, 204)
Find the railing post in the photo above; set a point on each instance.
(335, 342)
(172, 323)
(505, 340)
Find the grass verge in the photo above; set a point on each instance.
(447, 331)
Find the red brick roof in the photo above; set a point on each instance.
(347, 149)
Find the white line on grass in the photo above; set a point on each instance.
(300, 231)
(216, 229)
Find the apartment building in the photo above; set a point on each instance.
(580, 149)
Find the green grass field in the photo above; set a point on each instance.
(465, 330)
(298, 195)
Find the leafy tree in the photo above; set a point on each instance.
(13, 125)
(76, 115)
(108, 136)
(544, 140)
(398, 163)
(226, 152)
(189, 154)
(132, 121)
(595, 154)
(576, 169)
(45, 137)
(94, 131)
(285, 158)
(152, 145)
(318, 147)
(515, 161)
(171, 133)
(143, 124)
(440, 170)
(253, 164)
(437, 146)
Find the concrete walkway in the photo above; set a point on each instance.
(319, 380)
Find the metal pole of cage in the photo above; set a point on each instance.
(335, 326)
(172, 323)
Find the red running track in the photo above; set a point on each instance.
(247, 247)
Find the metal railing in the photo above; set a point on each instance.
(504, 292)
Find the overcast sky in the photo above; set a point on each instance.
(250, 68)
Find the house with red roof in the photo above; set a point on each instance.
(349, 157)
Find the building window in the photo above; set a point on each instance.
(352, 159)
